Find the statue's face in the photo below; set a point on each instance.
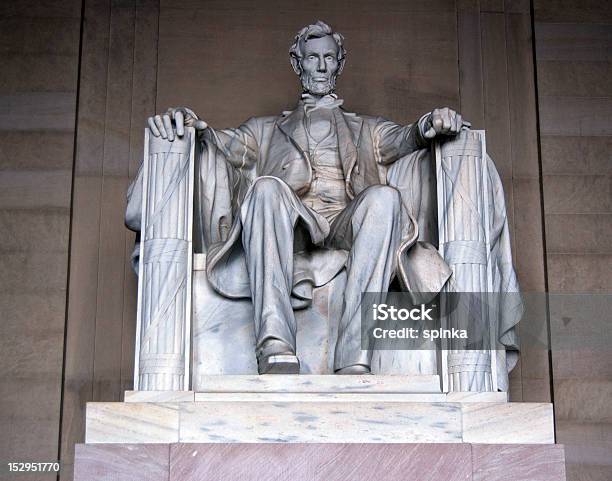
(319, 65)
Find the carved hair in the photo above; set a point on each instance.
(316, 30)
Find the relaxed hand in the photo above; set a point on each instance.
(173, 122)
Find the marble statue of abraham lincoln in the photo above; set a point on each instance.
(309, 179)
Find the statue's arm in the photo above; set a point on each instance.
(394, 141)
(133, 211)
(239, 146)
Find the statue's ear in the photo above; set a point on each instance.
(295, 63)
(341, 65)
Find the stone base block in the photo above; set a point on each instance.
(312, 421)
(319, 462)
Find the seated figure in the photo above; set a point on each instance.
(286, 202)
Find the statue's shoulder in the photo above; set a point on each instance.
(364, 122)
(367, 119)
(370, 120)
(261, 126)
(263, 120)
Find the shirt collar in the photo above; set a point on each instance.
(312, 103)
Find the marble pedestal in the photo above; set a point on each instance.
(319, 427)
(319, 462)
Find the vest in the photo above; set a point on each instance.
(327, 195)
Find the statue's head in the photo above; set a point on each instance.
(317, 57)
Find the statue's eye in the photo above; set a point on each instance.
(311, 57)
(329, 57)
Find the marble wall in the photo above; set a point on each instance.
(574, 66)
(39, 54)
(117, 91)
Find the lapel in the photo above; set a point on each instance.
(349, 134)
(293, 127)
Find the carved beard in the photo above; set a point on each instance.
(317, 88)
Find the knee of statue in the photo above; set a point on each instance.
(382, 199)
(266, 187)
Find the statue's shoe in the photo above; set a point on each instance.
(279, 364)
(277, 357)
(355, 369)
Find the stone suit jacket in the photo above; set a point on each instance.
(278, 146)
(231, 159)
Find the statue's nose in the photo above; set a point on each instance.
(322, 65)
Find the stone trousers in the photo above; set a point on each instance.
(368, 228)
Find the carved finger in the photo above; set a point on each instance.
(190, 116)
(437, 122)
(152, 127)
(446, 121)
(430, 134)
(160, 126)
(200, 125)
(168, 126)
(430, 125)
(458, 123)
(179, 122)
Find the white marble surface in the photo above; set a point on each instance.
(305, 417)
(158, 396)
(508, 423)
(320, 383)
(132, 422)
(320, 397)
(479, 397)
(355, 392)
(334, 422)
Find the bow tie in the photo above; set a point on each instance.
(328, 101)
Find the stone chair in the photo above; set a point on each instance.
(187, 331)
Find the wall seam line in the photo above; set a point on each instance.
(543, 213)
(69, 247)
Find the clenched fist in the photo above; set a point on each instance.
(444, 122)
(178, 118)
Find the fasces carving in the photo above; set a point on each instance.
(473, 233)
(164, 287)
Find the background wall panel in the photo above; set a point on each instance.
(37, 119)
(118, 77)
(574, 45)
